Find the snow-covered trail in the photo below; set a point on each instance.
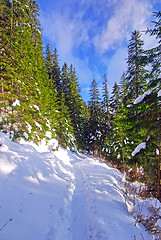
(98, 207)
(61, 196)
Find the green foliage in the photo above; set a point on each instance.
(136, 72)
(94, 134)
(37, 95)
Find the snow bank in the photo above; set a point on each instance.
(138, 148)
(148, 212)
(61, 195)
(141, 97)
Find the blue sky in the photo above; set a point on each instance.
(93, 35)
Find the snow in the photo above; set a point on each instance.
(157, 152)
(25, 135)
(16, 103)
(138, 148)
(38, 125)
(48, 124)
(36, 107)
(10, 135)
(141, 97)
(159, 93)
(38, 90)
(29, 127)
(61, 195)
(48, 134)
(143, 207)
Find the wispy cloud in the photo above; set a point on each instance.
(85, 31)
(128, 16)
(65, 32)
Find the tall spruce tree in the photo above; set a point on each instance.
(105, 126)
(22, 68)
(148, 114)
(49, 61)
(75, 104)
(115, 103)
(94, 137)
(136, 72)
(56, 73)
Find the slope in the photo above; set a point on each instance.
(61, 196)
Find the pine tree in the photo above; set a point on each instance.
(136, 72)
(114, 99)
(94, 137)
(49, 61)
(136, 84)
(65, 130)
(56, 73)
(148, 115)
(119, 143)
(85, 126)
(73, 101)
(4, 52)
(105, 131)
(23, 69)
(115, 103)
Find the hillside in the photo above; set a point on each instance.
(61, 195)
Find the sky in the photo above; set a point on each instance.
(93, 35)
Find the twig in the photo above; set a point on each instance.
(6, 224)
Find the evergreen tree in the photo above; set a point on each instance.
(56, 73)
(73, 101)
(23, 69)
(105, 117)
(65, 130)
(94, 137)
(136, 73)
(115, 103)
(148, 115)
(136, 84)
(114, 99)
(85, 126)
(49, 61)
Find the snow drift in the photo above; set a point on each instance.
(61, 196)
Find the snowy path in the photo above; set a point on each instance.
(61, 196)
(81, 206)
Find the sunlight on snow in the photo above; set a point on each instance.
(6, 167)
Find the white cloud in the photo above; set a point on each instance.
(106, 24)
(64, 31)
(128, 16)
(116, 67)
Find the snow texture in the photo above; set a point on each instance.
(159, 93)
(61, 195)
(29, 127)
(16, 103)
(38, 125)
(141, 97)
(36, 107)
(138, 148)
(25, 135)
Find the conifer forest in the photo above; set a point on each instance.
(37, 96)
